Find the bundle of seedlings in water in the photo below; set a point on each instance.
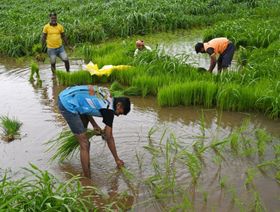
(10, 128)
(66, 144)
(34, 70)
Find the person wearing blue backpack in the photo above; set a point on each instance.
(78, 105)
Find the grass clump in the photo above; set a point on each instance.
(43, 192)
(10, 128)
(74, 78)
(34, 70)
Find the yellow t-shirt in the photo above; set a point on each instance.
(53, 35)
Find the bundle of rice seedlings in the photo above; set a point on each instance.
(34, 70)
(10, 128)
(116, 86)
(66, 144)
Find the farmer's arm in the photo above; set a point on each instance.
(108, 117)
(44, 38)
(212, 55)
(64, 38)
(212, 62)
(111, 144)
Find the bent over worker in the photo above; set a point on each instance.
(79, 104)
(140, 47)
(53, 33)
(217, 46)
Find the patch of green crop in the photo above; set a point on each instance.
(10, 128)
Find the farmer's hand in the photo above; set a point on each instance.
(98, 130)
(119, 163)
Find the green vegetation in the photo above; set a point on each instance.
(99, 20)
(34, 70)
(10, 128)
(74, 78)
(66, 145)
(41, 191)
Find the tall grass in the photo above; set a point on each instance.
(41, 191)
(102, 20)
(10, 128)
(74, 78)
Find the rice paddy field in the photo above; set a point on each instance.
(195, 141)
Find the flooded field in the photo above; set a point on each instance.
(36, 107)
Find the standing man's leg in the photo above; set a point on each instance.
(63, 56)
(52, 56)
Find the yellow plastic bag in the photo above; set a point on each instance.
(105, 70)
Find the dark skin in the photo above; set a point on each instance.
(213, 61)
(85, 145)
(53, 22)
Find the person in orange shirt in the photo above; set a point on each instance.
(53, 33)
(217, 46)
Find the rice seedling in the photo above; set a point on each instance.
(116, 86)
(34, 70)
(250, 174)
(223, 181)
(263, 138)
(66, 145)
(41, 191)
(10, 128)
(74, 78)
(258, 205)
(193, 163)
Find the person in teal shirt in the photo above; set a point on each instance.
(79, 104)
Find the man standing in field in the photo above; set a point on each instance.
(140, 46)
(78, 104)
(53, 33)
(217, 46)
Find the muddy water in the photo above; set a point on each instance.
(184, 44)
(35, 106)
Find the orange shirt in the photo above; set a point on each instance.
(218, 44)
(53, 35)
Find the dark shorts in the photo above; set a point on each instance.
(74, 120)
(225, 58)
(58, 52)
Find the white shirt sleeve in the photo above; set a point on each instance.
(148, 48)
(136, 52)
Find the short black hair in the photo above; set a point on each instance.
(125, 101)
(198, 47)
(52, 14)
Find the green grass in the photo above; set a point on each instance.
(93, 22)
(34, 70)
(10, 128)
(74, 78)
(41, 191)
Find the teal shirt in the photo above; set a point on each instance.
(78, 100)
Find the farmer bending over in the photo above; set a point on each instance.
(79, 103)
(140, 46)
(217, 46)
(53, 33)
